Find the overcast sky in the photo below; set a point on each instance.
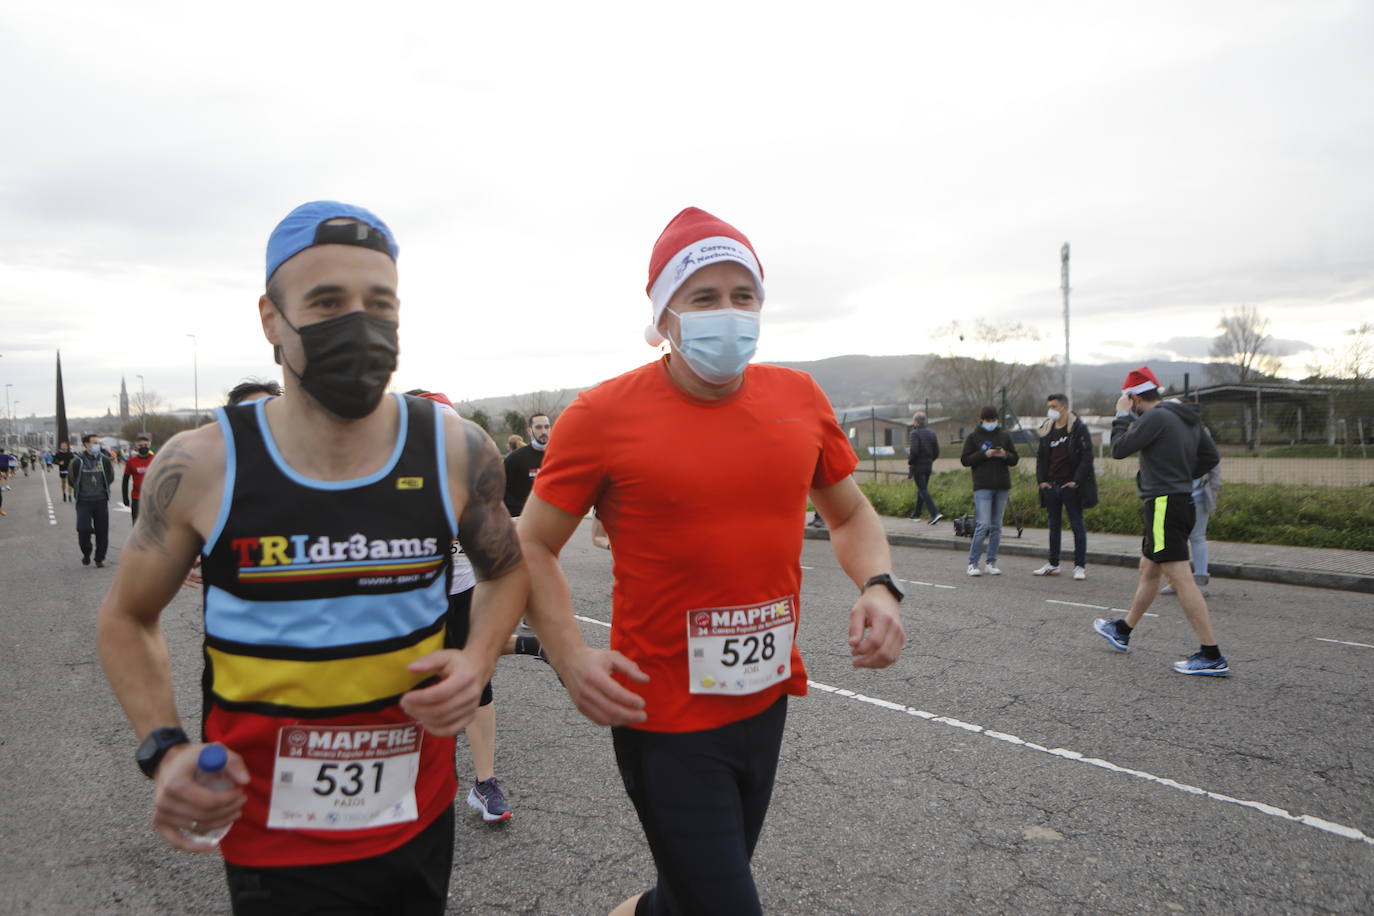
(897, 166)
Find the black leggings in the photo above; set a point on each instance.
(702, 797)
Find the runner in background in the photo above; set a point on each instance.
(134, 468)
(63, 460)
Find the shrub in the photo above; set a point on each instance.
(1298, 516)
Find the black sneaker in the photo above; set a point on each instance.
(937, 518)
(99, 564)
(85, 560)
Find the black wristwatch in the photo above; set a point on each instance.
(156, 745)
(885, 580)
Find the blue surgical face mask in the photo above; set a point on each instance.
(718, 343)
(990, 426)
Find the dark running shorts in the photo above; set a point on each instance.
(456, 628)
(1168, 521)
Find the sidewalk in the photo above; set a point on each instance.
(1350, 570)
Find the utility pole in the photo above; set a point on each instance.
(143, 406)
(195, 375)
(9, 426)
(1064, 283)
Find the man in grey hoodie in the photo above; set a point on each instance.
(1173, 453)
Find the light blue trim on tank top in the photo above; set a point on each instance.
(323, 623)
(314, 484)
(230, 473)
(441, 455)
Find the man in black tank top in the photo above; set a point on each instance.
(331, 507)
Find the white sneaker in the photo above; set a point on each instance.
(1046, 570)
(1080, 573)
(974, 570)
(993, 570)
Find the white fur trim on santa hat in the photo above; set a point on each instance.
(687, 262)
(1137, 389)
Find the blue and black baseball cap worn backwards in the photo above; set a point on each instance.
(305, 227)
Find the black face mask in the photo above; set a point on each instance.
(143, 451)
(348, 362)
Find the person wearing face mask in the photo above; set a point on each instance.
(522, 465)
(134, 468)
(699, 465)
(323, 519)
(1064, 470)
(1174, 451)
(92, 476)
(989, 453)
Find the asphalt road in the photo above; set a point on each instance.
(880, 808)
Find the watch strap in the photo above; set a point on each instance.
(156, 746)
(887, 582)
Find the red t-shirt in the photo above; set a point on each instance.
(704, 502)
(136, 466)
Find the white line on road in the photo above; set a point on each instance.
(1095, 607)
(52, 515)
(808, 567)
(1342, 642)
(928, 584)
(1307, 820)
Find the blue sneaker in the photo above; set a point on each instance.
(1196, 664)
(488, 798)
(1108, 631)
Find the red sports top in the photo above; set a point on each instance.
(136, 466)
(704, 502)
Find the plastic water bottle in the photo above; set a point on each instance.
(210, 774)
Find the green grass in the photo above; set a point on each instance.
(1297, 516)
(1312, 450)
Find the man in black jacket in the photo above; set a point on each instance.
(1064, 470)
(989, 451)
(1173, 452)
(923, 448)
(92, 478)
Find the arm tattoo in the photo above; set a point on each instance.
(165, 476)
(485, 529)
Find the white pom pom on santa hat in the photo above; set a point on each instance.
(692, 240)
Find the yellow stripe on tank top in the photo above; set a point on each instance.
(1161, 506)
(317, 684)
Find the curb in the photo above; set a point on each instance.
(1309, 578)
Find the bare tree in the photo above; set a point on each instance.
(976, 368)
(1242, 352)
(515, 422)
(548, 403)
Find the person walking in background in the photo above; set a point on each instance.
(1173, 453)
(1064, 470)
(990, 453)
(923, 449)
(134, 469)
(513, 443)
(1205, 491)
(92, 478)
(522, 465)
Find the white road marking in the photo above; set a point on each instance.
(928, 584)
(52, 515)
(1095, 607)
(1342, 642)
(808, 567)
(1307, 820)
(124, 509)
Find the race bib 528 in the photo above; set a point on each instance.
(740, 650)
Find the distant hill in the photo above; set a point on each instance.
(851, 381)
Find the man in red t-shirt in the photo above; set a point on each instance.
(134, 469)
(700, 466)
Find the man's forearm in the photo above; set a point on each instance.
(550, 606)
(860, 544)
(134, 656)
(496, 608)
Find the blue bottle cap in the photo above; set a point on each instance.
(212, 758)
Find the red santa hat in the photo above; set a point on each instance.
(439, 397)
(693, 240)
(1138, 380)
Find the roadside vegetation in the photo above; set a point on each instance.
(1297, 516)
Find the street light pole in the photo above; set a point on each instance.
(14, 426)
(195, 375)
(143, 404)
(1064, 282)
(9, 427)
